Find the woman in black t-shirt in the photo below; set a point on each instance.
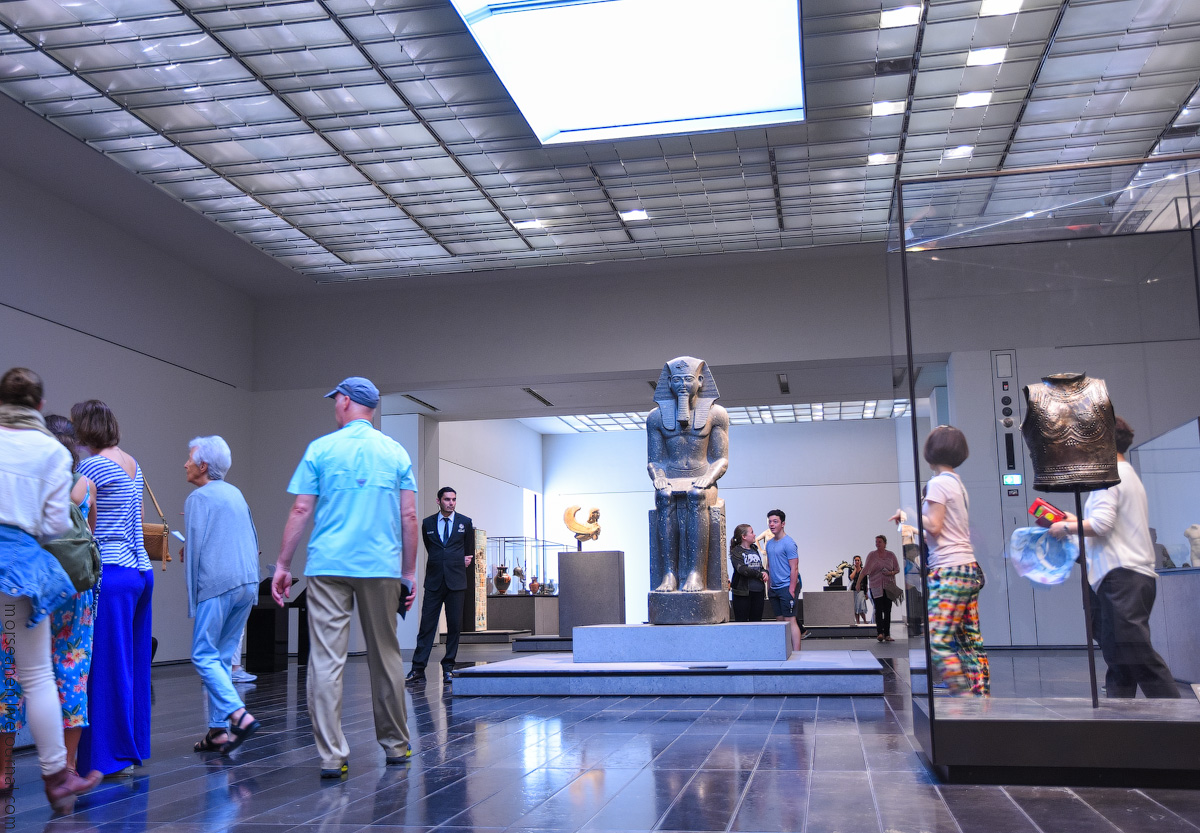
(749, 575)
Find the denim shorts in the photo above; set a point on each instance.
(783, 601)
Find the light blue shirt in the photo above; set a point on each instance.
(357, 474)
(780, 555)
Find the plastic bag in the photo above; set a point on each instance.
(1039, 556)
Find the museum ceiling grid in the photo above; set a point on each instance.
(353, 139)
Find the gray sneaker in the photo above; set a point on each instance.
(242, 676)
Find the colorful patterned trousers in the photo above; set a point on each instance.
(955, 641)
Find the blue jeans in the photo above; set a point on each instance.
(215, 638)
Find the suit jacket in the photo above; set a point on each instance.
(445, 565)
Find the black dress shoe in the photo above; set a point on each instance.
(415, 678)
(447, 676)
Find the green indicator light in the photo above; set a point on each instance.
(1012, 479)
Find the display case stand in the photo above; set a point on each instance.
(1087, 599)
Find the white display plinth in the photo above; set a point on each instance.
(730, 642)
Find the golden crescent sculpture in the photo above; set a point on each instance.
(583, 531)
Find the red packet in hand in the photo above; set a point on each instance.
(1046, 513)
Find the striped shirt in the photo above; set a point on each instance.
(118, 512)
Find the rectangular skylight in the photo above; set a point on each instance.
(991, 8)
(986, 57)
(973, 100)
(591, 70)
(755, 415)
(635, 214)
(881, 158)
(887, 108)
(903, 16)
(960, 152)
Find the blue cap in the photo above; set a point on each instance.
(359, 390)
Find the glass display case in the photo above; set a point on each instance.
(996, 281)
(522, 566)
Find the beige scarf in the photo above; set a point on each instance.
(23, 419)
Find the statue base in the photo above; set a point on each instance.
(707, 607)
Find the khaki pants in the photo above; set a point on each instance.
(330, 600)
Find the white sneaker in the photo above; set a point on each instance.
(241, 676)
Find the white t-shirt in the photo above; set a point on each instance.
(1120, 520)
(953, 547)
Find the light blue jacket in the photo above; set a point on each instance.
(222, 543)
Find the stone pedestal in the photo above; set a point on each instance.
(730, 642)
(536, 614)
(591, 589)
(707, 607)
(829, 608)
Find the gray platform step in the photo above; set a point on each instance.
(542, 644)
(485, 637)
(811, 672)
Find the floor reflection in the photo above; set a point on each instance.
(578, 764)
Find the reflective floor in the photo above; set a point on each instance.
(564, 764)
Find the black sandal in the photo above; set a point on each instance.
(208, 742)
(241, 732)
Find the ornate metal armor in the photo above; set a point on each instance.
(1070, 428)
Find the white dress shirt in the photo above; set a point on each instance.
(1120, 521)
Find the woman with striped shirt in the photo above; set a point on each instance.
(118, 738)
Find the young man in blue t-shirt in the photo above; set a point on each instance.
(784, 568)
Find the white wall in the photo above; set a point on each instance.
(490, 464)
(100, 314)
(837, 482)
(1170, 469)
(563, 323)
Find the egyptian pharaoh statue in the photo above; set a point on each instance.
(687, 451)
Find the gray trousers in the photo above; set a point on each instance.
(330, 600)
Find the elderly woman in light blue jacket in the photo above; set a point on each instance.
(221, 563)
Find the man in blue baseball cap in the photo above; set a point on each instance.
(359, 487)
(361, 391)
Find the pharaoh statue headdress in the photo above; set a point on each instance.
(667, 403)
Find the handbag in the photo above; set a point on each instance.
(155, 536)
(892, 591)
(77, 552)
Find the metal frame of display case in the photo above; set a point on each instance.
(1142, 745)
(530, 555)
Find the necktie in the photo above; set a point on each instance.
(445, 530)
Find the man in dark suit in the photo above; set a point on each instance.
(449, 540)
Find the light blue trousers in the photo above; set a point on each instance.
(215, 638)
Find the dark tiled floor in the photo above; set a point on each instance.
(750, 764)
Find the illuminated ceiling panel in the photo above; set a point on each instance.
(590, 70)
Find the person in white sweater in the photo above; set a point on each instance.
(1120, 560)
(35, 488)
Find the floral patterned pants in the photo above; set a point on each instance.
(955, 641)
(71, 628)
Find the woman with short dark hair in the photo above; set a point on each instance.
(955, 578)
(118, 738)
(35, 486)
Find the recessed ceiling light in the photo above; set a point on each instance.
(973, 100)
(960, 152)
(887, 108)
(903, 16)
(881, 158)
(991, 8)
(636, 214)
(986, 57)
(524, 224)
